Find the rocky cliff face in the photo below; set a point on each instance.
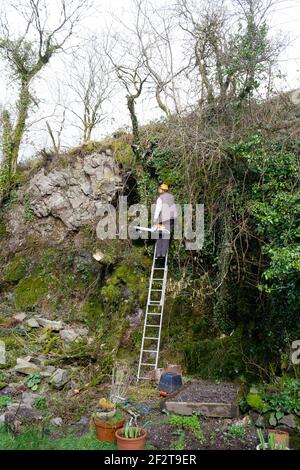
(63, 198)
(57, 303)
(71, 194)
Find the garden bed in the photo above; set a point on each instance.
(209, 398)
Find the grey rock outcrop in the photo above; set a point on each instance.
(56, 422)
(71, 193)
(289, 421)
(20, 317)
(32, 323)
(70, 335)
(60, 378)
(25, 366)
(22, 411)
(49, 324)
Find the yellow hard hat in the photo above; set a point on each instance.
(164, 186)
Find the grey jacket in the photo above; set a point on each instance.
(165, 208)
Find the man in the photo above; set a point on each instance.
(164, 217)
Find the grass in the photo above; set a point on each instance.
(34, 439)
(142, 393)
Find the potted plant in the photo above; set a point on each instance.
(107, 420)
(271, 444)
(131, 437)
(105, 409)
(281, 437)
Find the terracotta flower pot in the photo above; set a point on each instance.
(267, 447)
(137, 443)
(106, 431)
(281, 437)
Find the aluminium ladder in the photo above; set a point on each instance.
(153, 318)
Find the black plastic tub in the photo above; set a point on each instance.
(169, 382)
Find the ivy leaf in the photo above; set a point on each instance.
(272, 419)
(279, 415)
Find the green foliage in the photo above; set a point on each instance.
(33, 381)
(261, 438)
(118, 416)
(125, 281)
(5, 400)
(215, 358)
(249, 52)
(236, 431)
(3, 230)
(163, 162)
(191, 423)
(92, 311)
(31, 290)
(131, 432)
(29, 214)
(255, 401)
(276, 400)
(269, 197)
(180, 442)
(12, 198)
(40, 403)
(15, 270)
(123, 152)
(274, 205)
(284, 400)
(33, 438)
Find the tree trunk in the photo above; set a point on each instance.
(160, 103)
(11, 139)
(7, 151)
(18, 132)
(135, 125)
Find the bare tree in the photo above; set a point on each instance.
(92, 83)
(55, 136)
(129, 67)
(154, 30)
(26, 55)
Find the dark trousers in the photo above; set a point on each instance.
(163, 242)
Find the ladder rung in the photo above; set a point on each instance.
(158, 307)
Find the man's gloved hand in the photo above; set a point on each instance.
(154, 228)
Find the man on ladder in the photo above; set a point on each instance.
(164, 218)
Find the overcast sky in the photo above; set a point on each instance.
(284, 20)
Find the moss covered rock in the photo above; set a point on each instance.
(255, 401)
(31, 290)
(3, 230)
(15, 270)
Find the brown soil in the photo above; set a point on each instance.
(206, 392)
(216, 434)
